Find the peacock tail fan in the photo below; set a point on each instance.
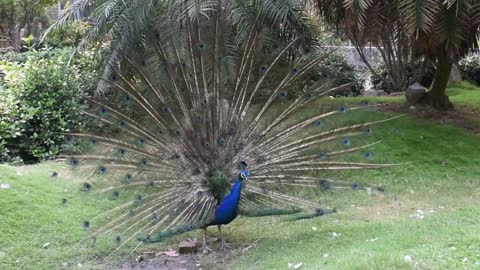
(182, 111)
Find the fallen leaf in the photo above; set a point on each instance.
(335, 235)
(294, 266)
(171, 253)
(407, 259)
(298, 265)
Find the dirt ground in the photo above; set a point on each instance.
(195, 259)
(461, 116)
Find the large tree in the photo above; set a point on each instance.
(124, 24)
(23, 14)
(440, 30)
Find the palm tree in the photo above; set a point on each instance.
(125, 24)
(440, 30)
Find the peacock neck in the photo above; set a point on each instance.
(236, 190)
(227, 209)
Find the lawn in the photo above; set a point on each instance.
(428, 217)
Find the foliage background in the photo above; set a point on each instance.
(40, 98)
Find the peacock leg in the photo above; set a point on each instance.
(223, 244)
(205, 247)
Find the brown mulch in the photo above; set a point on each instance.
(462, 116)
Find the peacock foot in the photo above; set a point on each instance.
(224, 246)
(205, 249)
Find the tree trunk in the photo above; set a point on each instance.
(436, 96)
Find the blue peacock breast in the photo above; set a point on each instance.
(227, 210)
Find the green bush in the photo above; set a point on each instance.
(470, 67)
(70, 35)
(39, 100)
(416, 72)
(336, 68)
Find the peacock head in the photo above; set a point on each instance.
(244, 175)
(243, 168)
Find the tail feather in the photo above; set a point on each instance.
(182, 106)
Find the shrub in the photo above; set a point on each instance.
(39, 100)
(336, 68)
(69, 35)
(470, 67)
(416, 72)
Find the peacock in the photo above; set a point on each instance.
(196, 128)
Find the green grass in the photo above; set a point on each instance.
(443, 180)
(465, 93)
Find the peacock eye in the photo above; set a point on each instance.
(342, 109)
(116, 194)
(69, 139)
(123, 124)
(87, 187)
(102, 170)
(355, 186)
(74, 162)
(221, 142)
(368, 155)
(294, 71)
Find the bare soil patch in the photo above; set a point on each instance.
(462, 116)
